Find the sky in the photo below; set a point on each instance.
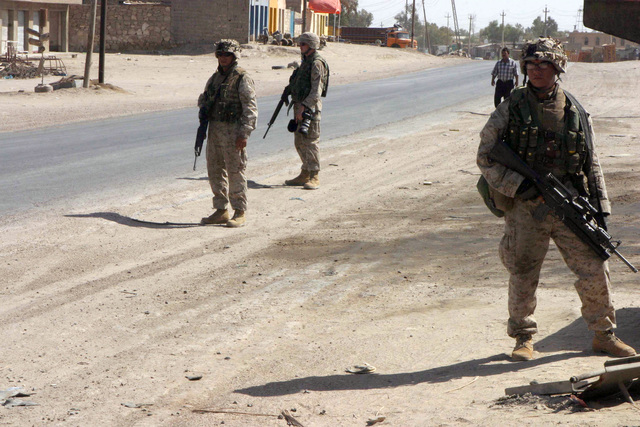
(565, 13)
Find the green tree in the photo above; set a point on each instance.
(538, 26)
(352, 17)
(492, 32)
(513, 34)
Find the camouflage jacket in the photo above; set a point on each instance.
(243, 91)
(506, 181)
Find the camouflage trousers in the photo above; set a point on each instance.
(522, 251)
(226, 167)
(307, 147)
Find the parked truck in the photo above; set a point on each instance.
(394, 36)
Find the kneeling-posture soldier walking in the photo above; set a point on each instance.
(229, 103)
(542, 124)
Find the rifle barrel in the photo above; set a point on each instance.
(619, 255)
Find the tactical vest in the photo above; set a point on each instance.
(224, 98)
(547, 135)
(300, 82)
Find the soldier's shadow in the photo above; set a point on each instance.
(572, 341)
(257, 186)
(576, 337)
(134, 222)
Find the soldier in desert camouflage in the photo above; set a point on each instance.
(229, 101)
(307, 86)
(540, 122)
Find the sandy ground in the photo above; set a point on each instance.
(393, 262)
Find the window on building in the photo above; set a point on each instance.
(621, 42)
(597, 41)
(613, 40)
(586, 41)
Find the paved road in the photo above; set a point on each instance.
(45, 165)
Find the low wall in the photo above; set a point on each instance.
(134, 27)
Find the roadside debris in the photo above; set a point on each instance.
(375, 421)
(9, 403)
(7, 397)
(224, 411)
(554, 403)
(22, 67)
(365, 368)
(290, 420)
(136, 405)
(618, 376)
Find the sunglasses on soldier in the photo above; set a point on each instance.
(224, 54)
(540, 66)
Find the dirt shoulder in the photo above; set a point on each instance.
(393, 262)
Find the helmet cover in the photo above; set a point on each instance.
(544, 49)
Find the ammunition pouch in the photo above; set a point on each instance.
(497, 203)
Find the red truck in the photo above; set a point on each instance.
(382, 36)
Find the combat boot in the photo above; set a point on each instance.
(607, 342)
(220, 216)
(237, 220)
(301, 179)
(314, 181)
(524, 348)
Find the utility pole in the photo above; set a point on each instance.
(503, 15)
(413, 21)
(426, 29)
(103, 36)
(578, 26)
(455, 23)
(448, 31)
(470, 20)
(90, 41)
(304, 16)
(545, 19)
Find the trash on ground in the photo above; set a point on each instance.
(365, 368)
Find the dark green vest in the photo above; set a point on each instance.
(547, 134)
(223, 97)
(300, 81)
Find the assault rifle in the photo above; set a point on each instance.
(201, 135)
(284, 100)
(575, 212)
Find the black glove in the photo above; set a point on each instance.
(202, 115)
(527, 190)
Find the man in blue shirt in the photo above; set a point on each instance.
(506, 70)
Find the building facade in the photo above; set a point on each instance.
(43, 16)
(598, 47)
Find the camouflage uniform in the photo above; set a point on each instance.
(306, 89)
(230, 99)
(526, 240)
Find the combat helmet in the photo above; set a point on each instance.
(545, 49)
(228, 45)
(311, 39)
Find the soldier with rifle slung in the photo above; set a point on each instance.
(307, 85)
(552, 134)
(228, 105)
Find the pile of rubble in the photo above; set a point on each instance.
(19, 70)
(16, 67)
